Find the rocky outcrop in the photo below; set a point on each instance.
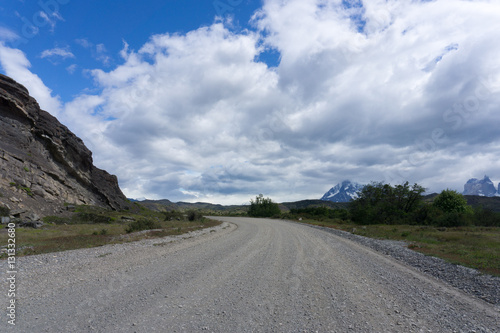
(43, 165)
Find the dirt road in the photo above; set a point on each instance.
(256, 275)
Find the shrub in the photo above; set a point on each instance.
(486, 217)
(90, 218)
(54, 219)
(141, 225)
(103, 232)
(451, 201)
(453, 219)
(263, 207)
(194, 216)
(173, 215)
(383, 203)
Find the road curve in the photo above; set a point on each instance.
(258, 275)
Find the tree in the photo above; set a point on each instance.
(383, 203)
(450, 201)
(263, 207)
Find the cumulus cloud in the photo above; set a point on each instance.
(379, 90)
(386, 91)
(15, 64)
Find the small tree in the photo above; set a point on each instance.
(455, 210)
(450, 201)
(263, 207)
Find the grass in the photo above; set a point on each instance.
(475, 247)
(102, 227)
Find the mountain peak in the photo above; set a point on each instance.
(483, 187)
(343, 192)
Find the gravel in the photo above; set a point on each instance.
(484, 286)
(247, 275)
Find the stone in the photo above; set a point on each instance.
(30, 224)
(5, 219)
(38, 190)
(41, 154)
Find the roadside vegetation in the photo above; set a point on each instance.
(263, 207)
(445, 227)
(89, 226)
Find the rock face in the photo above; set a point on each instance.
(483, 187)
(42, 164)
(343, 192)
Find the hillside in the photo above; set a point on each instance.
(43, 165)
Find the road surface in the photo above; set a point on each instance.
(256, 275)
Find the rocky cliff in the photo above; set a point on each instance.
(43, 165)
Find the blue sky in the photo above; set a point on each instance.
(221, 100)
(94, 31)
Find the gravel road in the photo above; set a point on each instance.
(248, 275)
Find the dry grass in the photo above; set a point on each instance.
(73, 233)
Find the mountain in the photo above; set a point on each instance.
(343, 192)
(483, 187)
(167, 205)
(43, 165)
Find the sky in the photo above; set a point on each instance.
(219, 101)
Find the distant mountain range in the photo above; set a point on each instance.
(347, 190)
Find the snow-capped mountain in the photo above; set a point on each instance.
(483, 187)
(343, 192)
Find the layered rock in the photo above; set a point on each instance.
(43, 165)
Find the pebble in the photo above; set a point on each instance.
(471, 281)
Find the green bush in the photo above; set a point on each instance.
(263, 207)
(453, 219)
(485, 217)
(54, 219)
(450, 201)
(173, 215)
(90, 218)
(194, 216)
(141, 225)
(318, 213)
(103, 232)
(382, 203)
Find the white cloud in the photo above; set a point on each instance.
(7, 35)
(194, 114)
(64, 53)
(16, 65)
(98, 52)
(392, 91)
(72, 68)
